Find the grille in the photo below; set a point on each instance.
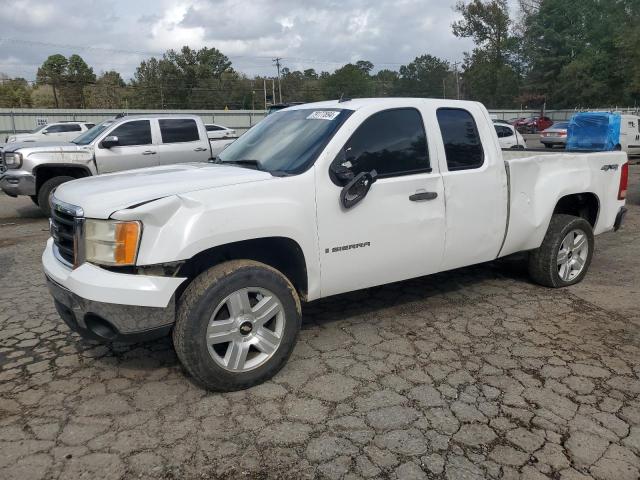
(62, 231)
(3, 165)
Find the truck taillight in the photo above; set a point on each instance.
(624, 180)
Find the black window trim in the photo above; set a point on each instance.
(124, 123)
(389, 175)
(162, 142)
(477, 131)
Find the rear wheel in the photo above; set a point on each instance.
(548, 145)
(565, 254)
(45, 191)
(237, 324)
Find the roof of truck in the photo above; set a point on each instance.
(390, 102)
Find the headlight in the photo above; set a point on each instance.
(13, 160)
(111, 242)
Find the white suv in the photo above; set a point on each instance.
(56, 132)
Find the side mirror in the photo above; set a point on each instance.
(110, 141)
(341, 173)
(354, 191)
(45, 132)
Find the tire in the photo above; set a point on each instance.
(545, 265)
(45, 191)
(212, 293)
(34, 199)
(548, 145)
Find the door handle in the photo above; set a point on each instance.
(148, 152)
(421, 196)
(199, 149)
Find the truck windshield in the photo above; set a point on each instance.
(90, 135)
(287, 142)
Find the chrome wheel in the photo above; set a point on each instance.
(245, 329)
(573, 254)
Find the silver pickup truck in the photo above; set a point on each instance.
(114, 145)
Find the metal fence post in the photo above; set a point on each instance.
(13, 121)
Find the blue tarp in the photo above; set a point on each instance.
(593, 131)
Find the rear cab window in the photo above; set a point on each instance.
(391, 142)
(178, 130)
(462, 144)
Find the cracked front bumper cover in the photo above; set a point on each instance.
(109, 321)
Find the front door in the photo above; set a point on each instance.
(135, 148)
(397, 231)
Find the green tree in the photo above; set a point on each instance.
(350, 80)
(491, 73)
(14, 92)
(108, 92)
(425, 76)
(77, 77)
(53, 72)
(582, 53)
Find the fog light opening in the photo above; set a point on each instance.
(100, 327)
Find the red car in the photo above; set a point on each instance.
(532, 124)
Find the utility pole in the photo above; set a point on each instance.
(455, 67)
(264, 87)
(273, 91)
(277, 60)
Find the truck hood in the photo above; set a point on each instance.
(102, 195)
(43, 146)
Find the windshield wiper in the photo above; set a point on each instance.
(244, 162)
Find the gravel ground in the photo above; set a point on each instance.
(469, 374)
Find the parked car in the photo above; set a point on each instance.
(556, 135)
(117, 144)
(317, 200)
(508, 136)
(604, 131)
(52, 132)
(215, 132)
(533, 124)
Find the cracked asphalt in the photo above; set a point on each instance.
(470, 374)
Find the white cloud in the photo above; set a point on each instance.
(322, 34)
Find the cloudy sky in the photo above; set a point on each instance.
(320, 34)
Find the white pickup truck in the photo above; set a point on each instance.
(124, 143)
(315, 200)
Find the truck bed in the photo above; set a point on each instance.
(537, 180)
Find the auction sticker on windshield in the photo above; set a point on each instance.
(323, 115)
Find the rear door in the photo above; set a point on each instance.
(397, 230)
(182, 141)
(135, 148)
(475, 187)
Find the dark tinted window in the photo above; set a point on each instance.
(392, 142)
(73, 127)
(137, 132)
(461, 139)
(503, 131)
(89, 125)
(176, 130)
(213, 128)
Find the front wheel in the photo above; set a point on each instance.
(45, 192)
(565, 254)
(236, 325)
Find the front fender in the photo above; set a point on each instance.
(180, 226)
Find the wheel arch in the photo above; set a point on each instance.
(48, 171)
(282, 253)
(585, 205)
